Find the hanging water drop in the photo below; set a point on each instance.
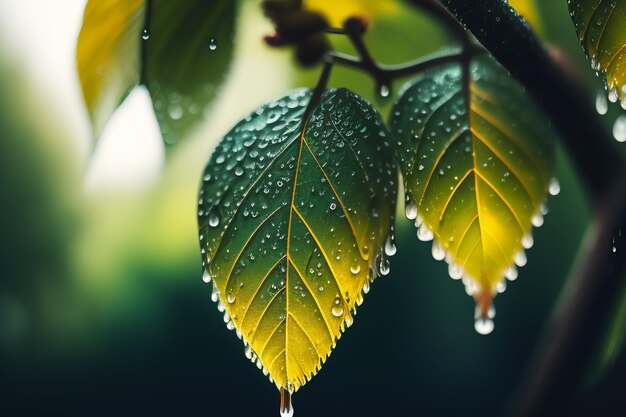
(286, 407)
(520, 258)
(619, 128)
(483, 320)
(212, 44)
(206, 277)
(383, 266)
(554, 187)
(439, 253)
(511, 273)
(390, 246)
(528, 241)
(411, 210)
(384, 91)
(424, 233)
(602, 105)
(537, 220)
(145, 34)
(455, 271)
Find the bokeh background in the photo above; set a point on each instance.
(102, 307)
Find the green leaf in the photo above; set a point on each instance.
(601, 29)
(293, 215)
(179, 50)
(477, 161)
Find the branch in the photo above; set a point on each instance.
(593, 286)
(508, 38)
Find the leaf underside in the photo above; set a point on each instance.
(477, 173)
(292, 225)
(120, 47)
(601, 29)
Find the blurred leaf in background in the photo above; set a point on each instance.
(126, 43)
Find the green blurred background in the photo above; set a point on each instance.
(102, 306)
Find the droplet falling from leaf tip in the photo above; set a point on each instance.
(484, 312)
(286, 408)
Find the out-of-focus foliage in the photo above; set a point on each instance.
(601, 29)
(476, 160)
(287, 239)
(124, 43)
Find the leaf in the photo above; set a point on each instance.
(602, 32)
(179, 50)
(293, 214)
(474, 176)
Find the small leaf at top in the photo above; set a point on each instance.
(601, 29)
(179, 50)
(294, 214)
(476, 172)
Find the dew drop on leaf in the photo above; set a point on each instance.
(390, 246)
(439, 253)
(619, 129)
(411, 210)
(206, 277)
(554, 187)
(212, 44)
(602, 106)
(337, 308)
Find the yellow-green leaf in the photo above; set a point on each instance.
(179, 50)
(477, 161)
(601, 29)
(294, 214)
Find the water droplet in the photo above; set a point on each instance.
(527, 241)
(355, 269)
(212, 44)
(337, 308)
(384, 90)
(286, 407)
(511, 273)
(411, 210)
(455, 271)
(483, 325)
(602, 106)
(537, 220)
(520, 258)
(214, 219)
(383, 266)
(390, 246)
(333, 206)
(230, 298)
(439, 253)
(145, 34)
(619, 128)
(424, 233)
(206, 277)
(554, 187)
